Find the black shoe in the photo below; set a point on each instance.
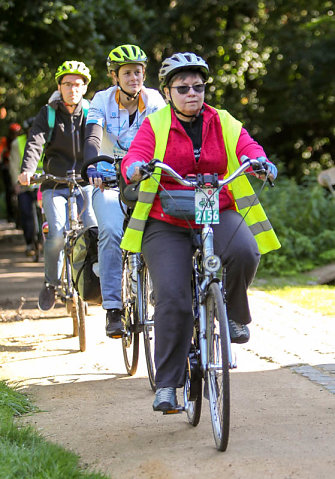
(239, 333)
(114, 324)
(47, 297)
(165, 399)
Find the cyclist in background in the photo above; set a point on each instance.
(191, 137)
(6, 142)
(63, 152)
(114, 118)
(26, 195)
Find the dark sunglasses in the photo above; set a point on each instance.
(183, 89)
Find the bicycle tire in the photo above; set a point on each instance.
(130, 341)
(82, 324)
(217, 373)
(75, 315)
(147, 317)
(193, 391)
(69, 296)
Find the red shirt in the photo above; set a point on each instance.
(179, 155)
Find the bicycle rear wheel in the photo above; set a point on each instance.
(82, 324)
(130, 341)
(147, 317)
(217, 375)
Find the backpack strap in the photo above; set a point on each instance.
(52, 116)
(51, 121)
(85, 104)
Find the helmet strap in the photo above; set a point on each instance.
(175, 109)
(129, 95)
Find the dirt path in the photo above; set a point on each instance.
(283, 392)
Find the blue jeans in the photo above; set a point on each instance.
(110, 219)
(55, 208)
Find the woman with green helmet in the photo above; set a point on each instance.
(114, 118)
(63, 145)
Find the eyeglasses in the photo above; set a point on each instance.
(68, 84)
(183, 89)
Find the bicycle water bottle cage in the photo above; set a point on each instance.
(208, 179)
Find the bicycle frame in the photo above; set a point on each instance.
(75, 305)
(205, 253)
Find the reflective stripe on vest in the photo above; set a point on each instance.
(132, 239)
(242, 191)
(246, 201)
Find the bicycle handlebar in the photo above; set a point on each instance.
(97, 159)
(70, 178)
(257, 166)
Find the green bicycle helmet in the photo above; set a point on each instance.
(73, 67)
(125, 54)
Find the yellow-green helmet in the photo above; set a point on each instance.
(125, 54)
(73, 67)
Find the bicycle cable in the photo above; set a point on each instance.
(208, 201)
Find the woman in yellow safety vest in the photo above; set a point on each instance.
(193, 137)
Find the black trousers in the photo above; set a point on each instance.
(26, 213)
(168, 253)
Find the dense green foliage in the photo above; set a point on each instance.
(303, 216)
(271, 66)
(24, 453)
(271, 61)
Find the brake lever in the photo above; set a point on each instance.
(261, 169)
(147, 170)
(264, 167)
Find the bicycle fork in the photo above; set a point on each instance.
(211, 265)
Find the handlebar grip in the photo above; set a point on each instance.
(95, 160)
(262, 168)
(147, 170)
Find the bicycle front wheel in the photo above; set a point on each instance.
(217, 375)
(130, 341)
(75, 314)
(82, 324)
(147, 312)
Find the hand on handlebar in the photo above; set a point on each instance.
(95, 177)
(270, 167)
(24, 178)
(134, 173)
(265, 170)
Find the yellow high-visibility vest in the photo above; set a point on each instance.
(243, 193)
(22, 140)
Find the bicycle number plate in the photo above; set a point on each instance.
(207, 206)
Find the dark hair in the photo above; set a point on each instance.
(182, 74)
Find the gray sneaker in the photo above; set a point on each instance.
(47, 297)
(239, 333)
(165, 399)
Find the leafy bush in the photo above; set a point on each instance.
(303, 216)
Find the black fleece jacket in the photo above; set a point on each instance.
(65, 149)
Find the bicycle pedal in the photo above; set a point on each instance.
(116, 336)
(177, 410)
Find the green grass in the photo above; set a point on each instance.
(24, 453)
(301, 291)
